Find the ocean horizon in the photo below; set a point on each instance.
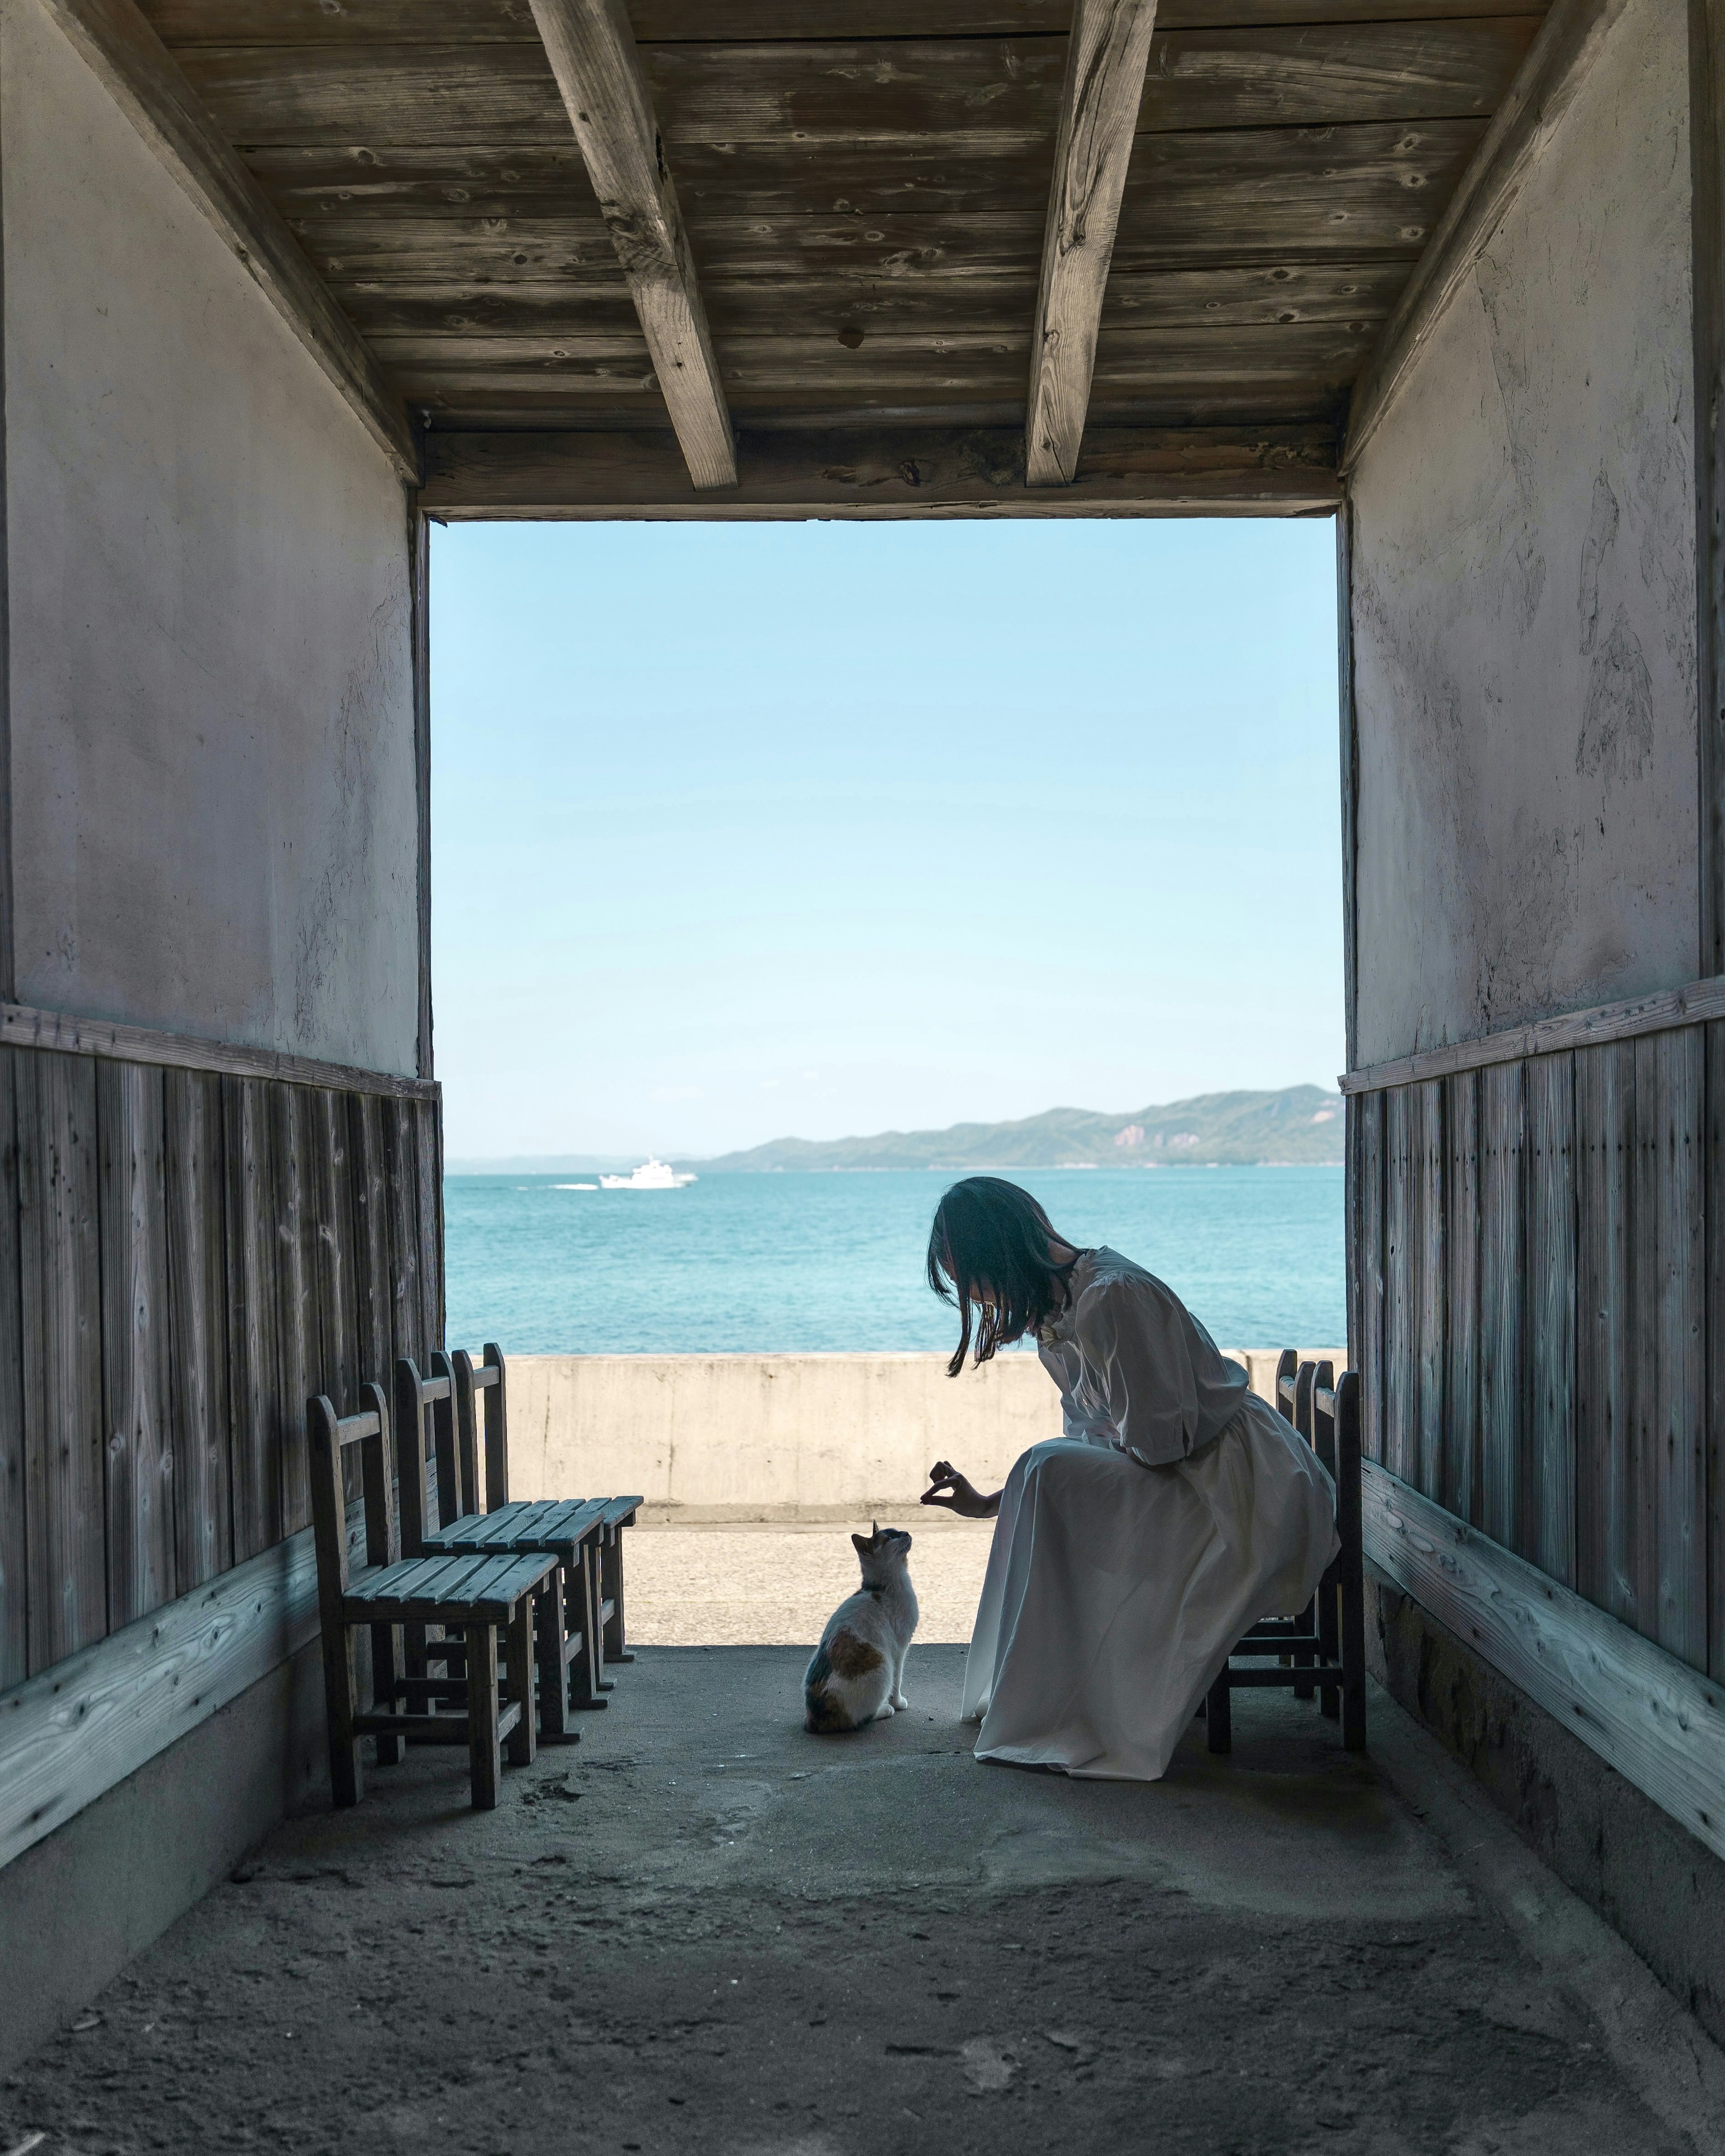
(831, 1260)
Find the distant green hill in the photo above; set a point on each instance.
(1300, 1125)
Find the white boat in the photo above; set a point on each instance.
(651, 1175)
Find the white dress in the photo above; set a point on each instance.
(1130, 1554)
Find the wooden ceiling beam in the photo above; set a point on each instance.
(884, 472)
(593, 54)
(141, 76)
(1106, 58)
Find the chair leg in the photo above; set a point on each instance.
(611, 1574)
(550, 1630)
(483, 1751)
(1353, 1658)
(1329, 1641)
(1220, 1716)
(347, 1775)
(1302, 1655)
(519, 1649)
(384, 1695)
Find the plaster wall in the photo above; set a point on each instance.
(1524, 596)
(213, 769)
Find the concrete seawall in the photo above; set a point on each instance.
(779, 1437)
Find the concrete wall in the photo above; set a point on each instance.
(1524, 596)
(213, 794)
(778, 1437)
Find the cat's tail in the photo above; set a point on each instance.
(825, 1715)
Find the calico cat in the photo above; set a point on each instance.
(858, 1673)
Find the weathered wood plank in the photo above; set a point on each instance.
(197, 1325)
(371, 1297)
(1605, 1332)
(592, 51)
(1680, 1376)
(337, 1368)
(402, 1192)
(1692, 1005)
(61, 1280)
(1659, 1724)
(252, 1294)
(1430, 1280)
(1525, 120)
(133, 1240)
(1458, 1489)
(1714, 1196)
(1401, 1215)
(1502, 1271)
(139, 72)
(1548, 1455)
(1104, 79)
(1366, 1117)
(22, 1027)
(880, 472)
(1640, 1528)
(428, 1184)
(293, 1217)
(14, 1545)
(961, 92)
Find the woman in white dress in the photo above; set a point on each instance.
(1130, 1554)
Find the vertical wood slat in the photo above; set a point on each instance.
(1640, 1527)
(374, 1338)
(15, 1602)
(1428, 1297)
(59, 1277)
(1547, 1526)
(1500, 1279)
(1715, 1204)
(1398, 1205)
(297, 1342)
(429, 1184)
(401, 1187)
(254, 1464)
(1365, 1153)
(1605, 1331)
(336, 1360)
(1460, 1492)
(1681, 1579)
(133, 1237)
(197, 1325)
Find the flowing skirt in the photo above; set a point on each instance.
(1116, 1592)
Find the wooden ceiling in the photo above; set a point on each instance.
(865, 187)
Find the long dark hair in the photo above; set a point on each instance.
(987, 1233)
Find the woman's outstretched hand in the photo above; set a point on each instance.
(956, 1493)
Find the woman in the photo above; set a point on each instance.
(1130, 1554)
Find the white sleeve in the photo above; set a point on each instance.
(1137, 1357)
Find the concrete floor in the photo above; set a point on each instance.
(701, 1930)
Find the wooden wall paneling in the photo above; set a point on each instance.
(1366, 1122)
(428, 1146)
(1401, 1202)
(331, 1191)
(1431, 1351)
(14, 1631)
(1459, 1490)
(374, 1342)
(297, 1342)
(402, 1198)
(132, 1229)
(197, 1325)
(1714, 1196)
(252, 1266)
(1639, 1528)
(60, 1276)
(1606, 1330)
(1500, 1276)
(1680, 1375)
(1547, 1535)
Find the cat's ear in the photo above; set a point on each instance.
(874, 1536)
(861, 1544)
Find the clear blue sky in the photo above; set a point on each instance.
(747, 831)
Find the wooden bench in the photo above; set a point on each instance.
(1323, 1649)
(478, 1597)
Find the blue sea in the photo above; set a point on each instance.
(763, 1263)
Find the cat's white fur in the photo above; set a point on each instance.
(858, 1673)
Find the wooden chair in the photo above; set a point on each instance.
(585, 1534)
(1323, 1649)
(479, 1598)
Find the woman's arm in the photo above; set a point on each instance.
(956, 1493)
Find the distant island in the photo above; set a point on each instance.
(1300, 1126)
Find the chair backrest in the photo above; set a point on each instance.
(484, 1377)
(1322, 1433)
(328, 1436)
(1287, 1369)
(417, 1398)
